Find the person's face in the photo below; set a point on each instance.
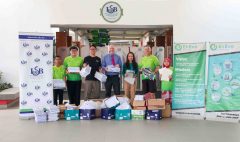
(130, 57)
(111, 50)
(146, 51)
(74, 52)
(57, 61)
(92, 50)
(166, 63)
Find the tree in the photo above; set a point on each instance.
(4, 85)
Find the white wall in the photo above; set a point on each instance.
(192, 20)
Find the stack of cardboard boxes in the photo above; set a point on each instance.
(154, 109)
(139, 109)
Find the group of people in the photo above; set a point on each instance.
(148, 67)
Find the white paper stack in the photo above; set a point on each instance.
(124, 106)
(40, 115)
(89, 105)
(165, 72)
(71, 107)
(85, 71)
(139, 97)
(130, 80)
(123, 100)
(53, 113)
(100, 76)
(73, 69)
(58, 84)
(111, 102)
(111, 68)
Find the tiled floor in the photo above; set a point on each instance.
(12, 129)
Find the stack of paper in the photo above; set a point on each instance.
(53, 112)
(58, 84)
(40, 115)
(111, 68)
(112, 102)
(124, 106)
(85, 71)
(139, 97)
(71, 107)
(89, 105)
(100, 76)
(148, 73)
(165, 73)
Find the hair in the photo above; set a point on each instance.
(93, 46)
(73, 47)
(57, 57)
(133, 61)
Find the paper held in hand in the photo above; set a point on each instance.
(100, 76)
(165, 72)
(130, 80)
(73, 69)
(58, 84)
(85, 71)
(111, 68)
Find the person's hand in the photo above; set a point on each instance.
(170, 77)
(67, 72)
(85, 64)
(117, 65)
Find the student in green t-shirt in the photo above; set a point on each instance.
(59, 74)
(149, 66)
(72, 64)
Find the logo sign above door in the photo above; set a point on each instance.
(111, 12)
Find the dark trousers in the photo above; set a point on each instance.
(112, 81)
(74, 91)
(57, 93)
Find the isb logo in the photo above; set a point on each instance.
(36, 71)
(111, 9)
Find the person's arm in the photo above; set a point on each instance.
(157, 64)
(81, 62)
(124, 70)
(65, 65)
(85, 62)
(100, 65)
(104, 64)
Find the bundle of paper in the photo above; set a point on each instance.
(73, 69)
(100, 76)
(40, 115)
(53, 112)
(148, 73)
(85, 71)
(111, 68)
(59, 84)
(165, 73)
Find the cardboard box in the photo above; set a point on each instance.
(123, 114)
(139, 108)
(137, 103)
(153, 114)
(155, 107)
(138, 112)
(159, 103)
(138, 117)
(107, 113)
(87, 114)
(167, 112)
(98, 113)
(71, 114)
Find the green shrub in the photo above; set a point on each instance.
(4, 85)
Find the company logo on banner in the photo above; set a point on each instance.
(188, 47)
(222, 48)
(36, 52)
(111, 12)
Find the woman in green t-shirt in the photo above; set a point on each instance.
(72, 65)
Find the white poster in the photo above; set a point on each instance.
(36, 61)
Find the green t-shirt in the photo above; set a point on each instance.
(73, 62)
(58, 72)
(148, 62)
(167, 85)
